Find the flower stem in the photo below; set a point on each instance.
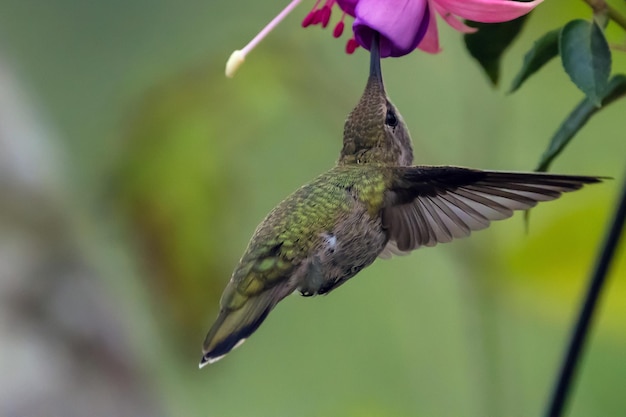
(601, 6)
(581, 330)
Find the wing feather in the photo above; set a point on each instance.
(430, 205)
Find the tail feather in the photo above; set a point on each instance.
(233, 327)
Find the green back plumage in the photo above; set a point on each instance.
(294, 227)
(288, 235)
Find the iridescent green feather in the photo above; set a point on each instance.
(294, 227)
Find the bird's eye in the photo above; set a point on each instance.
(390, 118)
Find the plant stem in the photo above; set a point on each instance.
(581, 330)
(616, 16)
(601, 6)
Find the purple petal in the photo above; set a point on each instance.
(348, 6)
(401, 23)
(488, 11)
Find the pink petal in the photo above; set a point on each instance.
(453, 20)
(430, 41)
(488, 11)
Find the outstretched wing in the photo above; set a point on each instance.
(426, 205)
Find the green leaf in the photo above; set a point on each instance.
(578, 118)
(586, 57)
(488, 44)
(543, 50)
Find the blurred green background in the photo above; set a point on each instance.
(132, 174)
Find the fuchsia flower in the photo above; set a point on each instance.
(404, 25)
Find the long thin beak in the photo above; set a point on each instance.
(375, 71)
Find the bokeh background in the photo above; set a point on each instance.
(132, 174)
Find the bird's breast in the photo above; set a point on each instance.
(344, 250)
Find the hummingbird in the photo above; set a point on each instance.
(373, 204)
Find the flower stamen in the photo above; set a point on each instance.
(310, 17)
(325, 13)
(351, 45)
(238, 57)
(338, 31)
(321, 16)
